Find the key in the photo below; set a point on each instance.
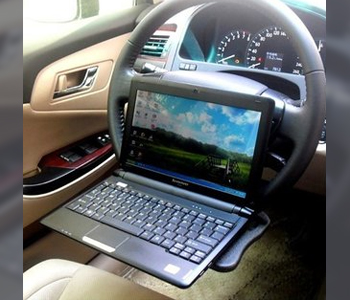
(180, 239)
(189, 250)
(185, 255)
(139, 223)
(159, 231)
(178, 214)
(73, 205)
(195, 259)
(209, 225)
(198, 246)
(157, 239)
(181, 231)
(119, 217)
(94, 206)
(97, 216)
(80, 210)
(217, 235)
(150, 220)
(185, 224)
(177, 207)
(149, 227)
(206, 232)
(219, 222)
(200, 254)
(207, 240)
(223, 230)
(179, 246)
(175, 220)
(146, 235)
(129, 220)
(169, 235)
(193, 213)
(202, 216)
(111, 213)
(160, 223)
(210, 219)
(199, 221)
(188, 218)
(175, 251)
(168, 244)
(170, 227)
(89, 213)
(123, 210)
(192, 235)
(228, 224)
(195, 228)
(185, 210)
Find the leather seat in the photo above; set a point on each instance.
(58, 279)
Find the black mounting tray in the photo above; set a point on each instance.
(231, 257)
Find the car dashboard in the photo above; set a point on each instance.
(239, 39)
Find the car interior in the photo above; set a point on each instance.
(81, 71)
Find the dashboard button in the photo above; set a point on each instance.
(74, 158)
(193, 67)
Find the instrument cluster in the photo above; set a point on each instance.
(268, 49)
(246, 39)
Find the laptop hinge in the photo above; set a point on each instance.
(206, 200)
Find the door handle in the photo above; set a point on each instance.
(87, 83)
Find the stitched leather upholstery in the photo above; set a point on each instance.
(57, 279)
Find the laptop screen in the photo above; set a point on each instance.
(193, 142)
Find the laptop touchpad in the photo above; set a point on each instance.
(105, 238)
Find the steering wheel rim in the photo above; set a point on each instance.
(302, 125)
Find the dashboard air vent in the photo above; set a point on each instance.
(155, 46)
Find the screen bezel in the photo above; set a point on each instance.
(244, 101)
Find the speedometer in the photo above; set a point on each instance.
(271, 49)
(232, 47)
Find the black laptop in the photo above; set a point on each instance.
(189, 163)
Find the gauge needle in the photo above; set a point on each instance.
(226, 58)
(253, 66)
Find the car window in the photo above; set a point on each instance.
(57, 11)
(317, 3)
(46, 22)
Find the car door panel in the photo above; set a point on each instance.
(53, 123)
(102, 56)
(57, 122)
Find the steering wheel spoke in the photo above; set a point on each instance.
(292, 123)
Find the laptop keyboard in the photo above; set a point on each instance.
(184, 232)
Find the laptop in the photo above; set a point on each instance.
(184, 189)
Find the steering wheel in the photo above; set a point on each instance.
(301, 125)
